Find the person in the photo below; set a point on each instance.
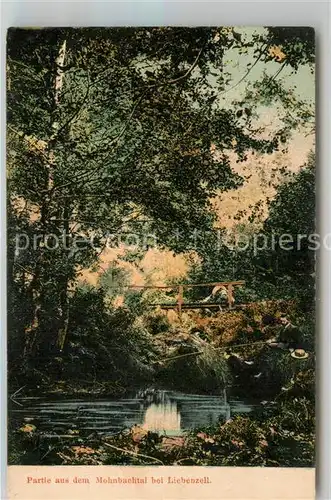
(237, 363)
(289, 334)
(223, 295)
(289, 338)
(269, 325)
(268, 320)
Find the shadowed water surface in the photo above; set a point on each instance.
(164, 411)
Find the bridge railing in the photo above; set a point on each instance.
(179, 305)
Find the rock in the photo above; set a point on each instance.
(138, 433)
(28, 428)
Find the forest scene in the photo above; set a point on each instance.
(161, 246)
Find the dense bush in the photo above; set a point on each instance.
(196, 367)
(103, 343)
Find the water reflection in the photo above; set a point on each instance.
(162, 417)
(156, 410)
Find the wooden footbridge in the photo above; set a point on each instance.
(223, 288)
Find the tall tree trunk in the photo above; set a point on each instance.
(31, 339)
(64, 299)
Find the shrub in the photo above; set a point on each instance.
(156, 322)
(103, 343)
(134, 301)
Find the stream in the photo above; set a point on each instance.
(158, 410)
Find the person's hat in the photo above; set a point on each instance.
(299, 354)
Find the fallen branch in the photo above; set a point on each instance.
(182, 460)
(196, 353)
(15, 394)
(134, 453)
(50, 448)
(59, 436)
(16, 402)
(64, 457)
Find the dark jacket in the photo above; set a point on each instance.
(290, 334)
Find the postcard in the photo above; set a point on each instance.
(161, 262)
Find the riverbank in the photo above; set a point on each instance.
(203, 355)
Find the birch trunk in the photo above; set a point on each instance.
(31, 332)
(64, 302)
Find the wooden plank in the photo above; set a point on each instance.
(224, 283)
(187, 285)
(230, 295)
(207, 306)
(188, 306)
(180, 301)
(170, 287)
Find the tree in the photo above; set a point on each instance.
(280, 264)
(292, 222)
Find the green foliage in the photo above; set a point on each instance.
(196, 367)
(278, 369)
(298, 44)
(103, 344)
(114, 280)
(134, 300)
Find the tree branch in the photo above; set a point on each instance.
(76, 113)
(188, 72)
(263, 50)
